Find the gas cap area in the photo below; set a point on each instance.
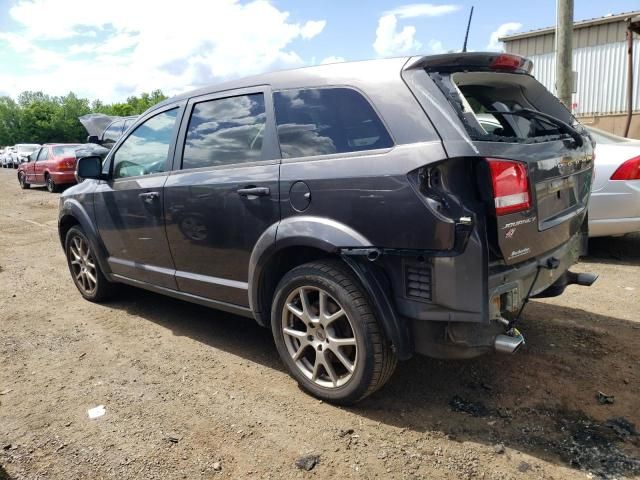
(300, 196)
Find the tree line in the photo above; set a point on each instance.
(35, 117)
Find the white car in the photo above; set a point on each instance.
(22, 152)
(6, 156)
(614, 208)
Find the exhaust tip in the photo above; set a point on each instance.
(508, 343)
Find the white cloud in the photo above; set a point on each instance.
(436, 46)
(422, 10)
(390, 40)
(136, 48)
(501, 31)
(332, 59)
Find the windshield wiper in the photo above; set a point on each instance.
(550, 119)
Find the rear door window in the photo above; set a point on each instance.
(321, 121)
(225, 131)
(43, 154)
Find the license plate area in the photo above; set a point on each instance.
(557, 200)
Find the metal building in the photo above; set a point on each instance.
(600, 61)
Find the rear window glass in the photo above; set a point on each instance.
(504, 106)
(65, 150)
(323, 121)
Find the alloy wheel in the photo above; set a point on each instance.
(83, 265)
(319, 336)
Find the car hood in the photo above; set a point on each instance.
(95, 123)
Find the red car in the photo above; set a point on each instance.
(53, 165)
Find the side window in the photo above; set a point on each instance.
(43, 154)
(145, 150)
(113, 132)
(127, 124)
(225, 131)
(327, 120)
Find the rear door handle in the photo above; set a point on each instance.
(149, 197)
(254, 192)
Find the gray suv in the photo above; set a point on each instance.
(359, 210)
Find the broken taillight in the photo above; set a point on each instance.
(629, 170)
(510, 185)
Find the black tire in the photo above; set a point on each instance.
(51, 185)
(374, 361)
(103, 288)
(23, 181)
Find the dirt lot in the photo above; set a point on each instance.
(194, 393)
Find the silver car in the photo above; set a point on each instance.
(614, 208)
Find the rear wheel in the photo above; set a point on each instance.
(51, 185)
(327, 334)
(85, 270)
(22, 178)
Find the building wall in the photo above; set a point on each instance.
(602, 77)
(613, 123)
(590, 36)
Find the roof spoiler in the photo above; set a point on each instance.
(474, 61)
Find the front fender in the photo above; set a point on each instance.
(71, 208)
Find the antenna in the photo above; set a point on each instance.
(466, 35)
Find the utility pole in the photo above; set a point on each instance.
(564, 47)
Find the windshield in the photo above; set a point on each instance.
(502, 107)
(65, 150)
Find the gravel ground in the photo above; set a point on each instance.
(195, 393)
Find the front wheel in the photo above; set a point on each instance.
(22, 179)
(327, 334)
(84, 268)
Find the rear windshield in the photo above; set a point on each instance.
(501, 107)
(65, 150)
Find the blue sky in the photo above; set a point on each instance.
(110, 49)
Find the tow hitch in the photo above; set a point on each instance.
(569, 278)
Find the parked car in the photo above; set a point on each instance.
(6, 157)
(105, 130)
(359, 210)
(53, 165)
(614, 208)
(22, 152)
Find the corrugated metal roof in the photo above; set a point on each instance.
(602, 77)
(619, 17)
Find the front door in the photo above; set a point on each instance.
(129, 206)
(223, 193)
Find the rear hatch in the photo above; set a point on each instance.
(534, 161)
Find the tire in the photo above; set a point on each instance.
(51, 185)
(90, 282)
(23, 181)
(307, 349)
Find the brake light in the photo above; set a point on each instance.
(510, 186)
(629, 170)
(507, 61)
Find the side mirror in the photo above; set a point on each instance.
(93, 139)
(29, 158)
(89, 167)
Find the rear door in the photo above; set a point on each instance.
(39, 166)
(223, 193)
(129, 206)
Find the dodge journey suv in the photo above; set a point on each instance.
(359, 210)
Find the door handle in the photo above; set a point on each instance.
(254, 192)
(149, 197)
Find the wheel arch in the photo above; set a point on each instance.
(72, 213)
(298, 240)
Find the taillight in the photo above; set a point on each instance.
(507, 61)
(510, 186)
(629, 170)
